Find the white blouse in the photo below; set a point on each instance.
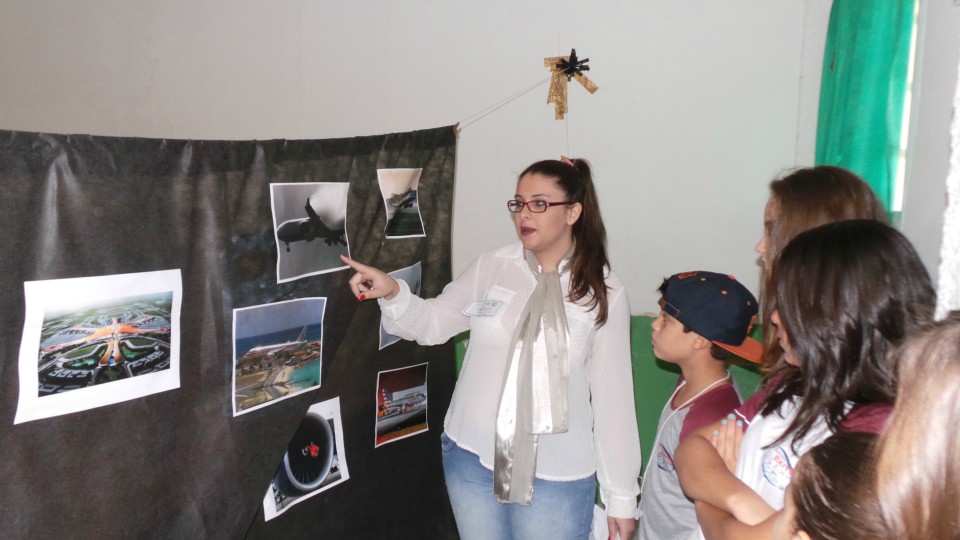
(602, 435)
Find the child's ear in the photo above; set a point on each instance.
(701, 342)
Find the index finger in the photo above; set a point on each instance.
(352, 263)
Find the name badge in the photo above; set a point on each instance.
(483, 308)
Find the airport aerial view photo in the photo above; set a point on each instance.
(121, 339)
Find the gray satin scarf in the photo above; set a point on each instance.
(534, 395)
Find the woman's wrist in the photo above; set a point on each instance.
(394, 290)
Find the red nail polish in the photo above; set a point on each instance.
(361, 298)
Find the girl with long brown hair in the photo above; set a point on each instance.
(799, 201)
(812, 196)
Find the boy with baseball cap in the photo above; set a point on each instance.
(704, 321)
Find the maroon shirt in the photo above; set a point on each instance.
(863, 417)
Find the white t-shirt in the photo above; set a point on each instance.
(768, 471)
(665, 511)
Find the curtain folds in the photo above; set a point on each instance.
(862, 90)
(178, 464)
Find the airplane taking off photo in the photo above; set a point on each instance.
(403, 200)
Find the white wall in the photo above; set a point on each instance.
(700, 102)
(928, 155)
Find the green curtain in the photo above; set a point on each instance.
(862, 91)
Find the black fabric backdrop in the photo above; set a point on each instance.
(177, 464)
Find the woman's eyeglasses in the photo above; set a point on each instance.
(536, 206)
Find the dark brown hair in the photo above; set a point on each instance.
(803, 199)
(587, 272)
(834, 492)
(847, 294)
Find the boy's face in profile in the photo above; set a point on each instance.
(670, 342)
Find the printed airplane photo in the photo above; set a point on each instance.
(309, 221)
(399, 188)
(277, 351)
(411, 275)
(401, 403)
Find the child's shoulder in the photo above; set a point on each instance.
(710, 408)
(867, 418)
(723, 398)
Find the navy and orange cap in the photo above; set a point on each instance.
(716, 306)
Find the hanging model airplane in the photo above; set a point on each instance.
(309, 228)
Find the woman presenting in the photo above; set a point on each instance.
(544, 406)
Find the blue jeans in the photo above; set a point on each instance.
(560, 510)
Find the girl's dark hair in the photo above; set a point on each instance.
(847, 294)
(834, 490)
(589, 235)
(803, 199)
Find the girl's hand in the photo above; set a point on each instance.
(727, 441)
(622, 528)
(370, 282)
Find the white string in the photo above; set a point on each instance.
(656, 439)
(481, 114)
